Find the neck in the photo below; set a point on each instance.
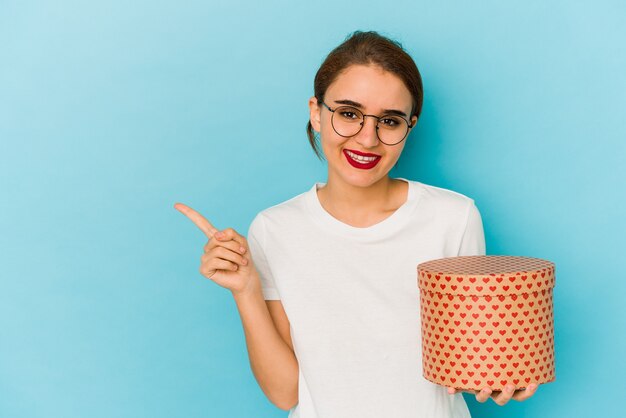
(344, 194)
(362, 205)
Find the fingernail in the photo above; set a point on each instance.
(531, 387)
(242, 250)
(219, 234)
(509, 388)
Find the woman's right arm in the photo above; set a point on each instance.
(272, 359)
(228, 262)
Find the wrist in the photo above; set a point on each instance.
(250, 291)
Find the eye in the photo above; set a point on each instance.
(390, 121)
(349, 114)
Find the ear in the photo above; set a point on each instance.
(413, 121)
(314, 110)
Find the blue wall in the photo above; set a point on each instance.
(110, 112)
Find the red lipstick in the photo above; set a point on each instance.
(361, 165)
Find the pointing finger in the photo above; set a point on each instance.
(200, 221)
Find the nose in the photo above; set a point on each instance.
(367, 136)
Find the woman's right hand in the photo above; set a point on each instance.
(226, 259)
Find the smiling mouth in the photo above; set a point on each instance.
(362, 158)
(363, 162)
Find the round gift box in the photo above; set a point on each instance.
(487, 321)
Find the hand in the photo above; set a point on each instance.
(226, 259)
(500, 397)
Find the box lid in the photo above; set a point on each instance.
(483, 275)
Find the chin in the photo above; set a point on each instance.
(364, 179)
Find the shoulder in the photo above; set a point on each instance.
(284, 213)
(291, 207)
(440, 196)
(444, 204)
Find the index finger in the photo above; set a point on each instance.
(200, 221)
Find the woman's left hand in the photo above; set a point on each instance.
(500, 397)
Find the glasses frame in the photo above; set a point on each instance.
(378, 118)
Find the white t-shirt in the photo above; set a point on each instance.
(352, 299)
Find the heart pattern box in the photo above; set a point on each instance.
(487, 321)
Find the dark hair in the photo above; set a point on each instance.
(366, 48)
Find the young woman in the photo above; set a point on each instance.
(326, 283)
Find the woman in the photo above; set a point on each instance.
(325, 284)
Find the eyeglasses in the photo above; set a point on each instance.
(348, 121)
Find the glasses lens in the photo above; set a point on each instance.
(392, 129)
(347, 120)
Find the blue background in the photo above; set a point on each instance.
(110, 112)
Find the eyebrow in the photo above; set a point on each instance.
(360, 106)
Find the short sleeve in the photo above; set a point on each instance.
(256, 242)
(473, 240)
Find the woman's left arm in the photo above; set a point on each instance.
(473, 239)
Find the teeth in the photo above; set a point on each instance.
(360, 158)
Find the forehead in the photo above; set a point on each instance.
(371, 86)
